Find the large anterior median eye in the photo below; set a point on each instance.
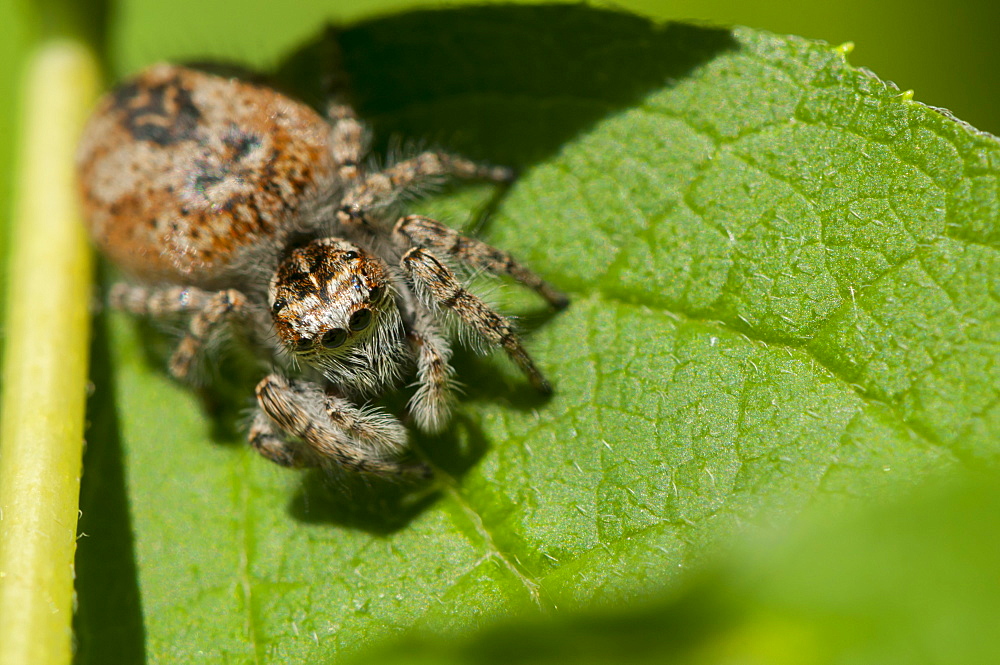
(360, 319)
(334, 338)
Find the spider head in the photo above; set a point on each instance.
(332, 307)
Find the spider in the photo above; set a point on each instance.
(230, 203)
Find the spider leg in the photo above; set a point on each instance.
(210, 310)
(156, 303)
(381, 189)
(267, 441)
(434, 163)
(439, 288)
(432, 402)
(369, 427)
(419, 231)
(332, 429)
(349, 140)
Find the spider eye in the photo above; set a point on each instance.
(304, 344)
(278, 305)
(334, 338)
(375, 294)
(360, 319)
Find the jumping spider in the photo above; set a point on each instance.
(230, 202)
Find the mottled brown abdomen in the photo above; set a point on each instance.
(180, 171)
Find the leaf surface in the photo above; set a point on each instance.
(910, 582)
(784, 278)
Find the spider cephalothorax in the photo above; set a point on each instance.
(229, 201)
(333, 308)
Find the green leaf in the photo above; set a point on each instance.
(875, 587)
(784, 279)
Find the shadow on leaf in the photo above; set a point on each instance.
(108, 622)
(507, 84)
(376, 505)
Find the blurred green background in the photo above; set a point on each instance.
(946, 53)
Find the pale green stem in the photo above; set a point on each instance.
(45, 364)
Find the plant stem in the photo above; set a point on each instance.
(45, 364)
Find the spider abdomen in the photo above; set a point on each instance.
(181, 172)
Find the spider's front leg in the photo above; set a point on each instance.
(330, 428)
(438, 287)
(418, 231)
(209, 309)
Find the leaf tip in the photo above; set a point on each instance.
(844, 49)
